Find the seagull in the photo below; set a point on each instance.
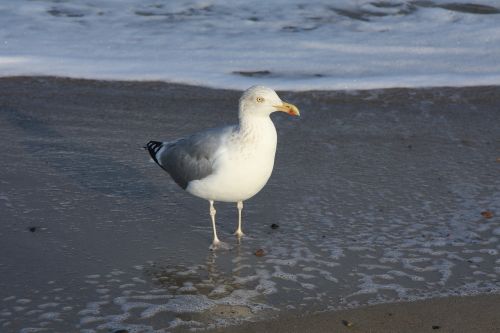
(228, 164)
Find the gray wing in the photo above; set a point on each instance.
(192, 157)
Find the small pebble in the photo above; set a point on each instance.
(487, 214)
(274, 226)
(436, 327)
(347, 323)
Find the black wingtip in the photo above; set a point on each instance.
(153, 147)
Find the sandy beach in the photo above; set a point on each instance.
(452, 314)
(380, 196)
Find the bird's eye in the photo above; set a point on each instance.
(260, 99)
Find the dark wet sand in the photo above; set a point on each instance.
(78, 196)
(451, 314)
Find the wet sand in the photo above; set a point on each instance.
(380, 196)
(451, 314)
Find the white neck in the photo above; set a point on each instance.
(258, 130)
(255, 123)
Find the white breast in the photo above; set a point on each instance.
(243, 165)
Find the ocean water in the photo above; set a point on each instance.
(293, 45)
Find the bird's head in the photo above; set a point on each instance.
(262, 101)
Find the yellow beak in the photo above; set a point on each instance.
(288, 108)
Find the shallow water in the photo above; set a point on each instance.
(378, 196)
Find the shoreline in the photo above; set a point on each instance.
(216, 88)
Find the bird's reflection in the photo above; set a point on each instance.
(216, 278)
